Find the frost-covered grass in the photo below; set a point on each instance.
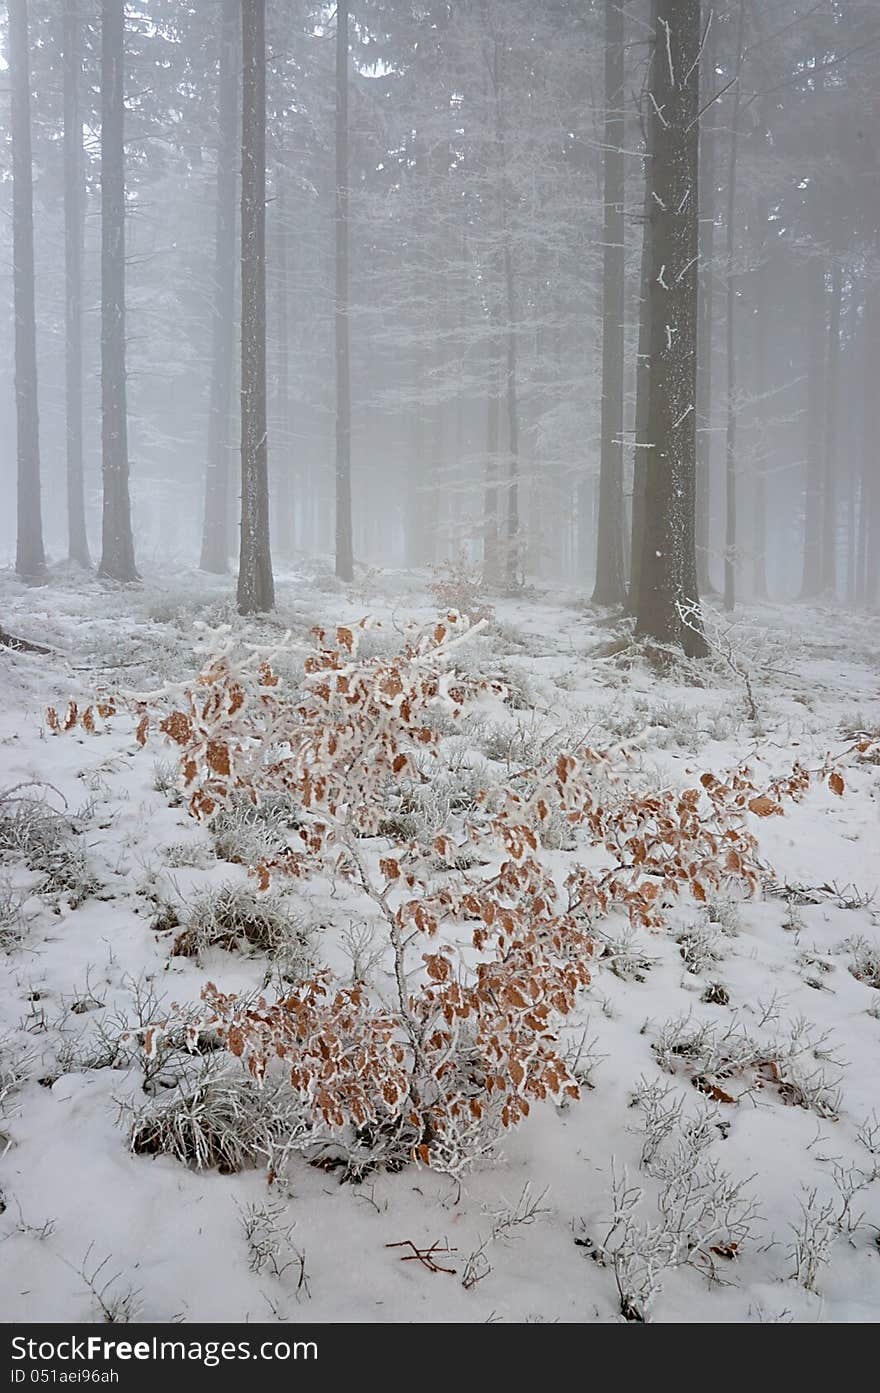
(723, 1162)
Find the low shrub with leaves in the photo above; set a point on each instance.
(487, 946)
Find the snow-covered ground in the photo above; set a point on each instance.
(88, 1227)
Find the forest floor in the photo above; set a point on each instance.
(791, 1157)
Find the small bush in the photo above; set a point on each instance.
(240, 919)
(223, 1121)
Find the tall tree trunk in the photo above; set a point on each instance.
(344, 539)
(829, 459)
(610, 587)
(77, 538)
(117, 545)
(708, 198)
(730, 469)
(218, 476)
(491, 557)
(511, 548)
(811, 582)
(759, 494)
(513, 560)
(256, 587)
(870, 459)
(641, 443)
(283, 453)
(30, 560)
(669, 568)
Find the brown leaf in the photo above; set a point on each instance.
(836, 784)
(218, 757)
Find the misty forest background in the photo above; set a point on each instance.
(576, 292)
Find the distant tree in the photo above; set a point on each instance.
(730, 443)
(610, 587)
(77, 539)
(668, 572)
(215, 532)
(117, 554)
(256, 586)
(344, 538)
(30, 559)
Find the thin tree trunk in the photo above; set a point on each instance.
(669, 570)
(829, 492)
(344, 540)
(30, 560)
(610, 587)
(811, 582)
(708, 198)
(77, 538)
(256, 587)
(642, 445)
(218, 477)
(491, 558)
(512, 557)
(117, 545)
(512, 548)
(283, 453)
(730, 471)
(759, 495)
(870, 459)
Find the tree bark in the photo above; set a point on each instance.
(491, 557)
(759, 493)
(218, 475)
(77, 538)
(811, 582)
(256, 587)
(610, 587)
(708, 142)
(870, 460)
(30, 560)
(669, 570)
(282, 458)
(641, 445)
(829, 457)
(117, 550)
(730, 470)
(344, 537)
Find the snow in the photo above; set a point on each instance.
(173, 1238)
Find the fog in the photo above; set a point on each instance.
(482, 157)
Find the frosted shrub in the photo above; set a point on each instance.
(222, 1121)
(459, 586)
(488, 944)
(237, 918)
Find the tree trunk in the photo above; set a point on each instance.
(117, 546)
(870, 460)
(811, 583)
(218, 476)
(344, 539)
(491, 557)
(30, 560)
(283, 453)
(730, 471)
(77, 538)
(610, 587)
(829, 460)
(641, 445)
(759, 495)
(708, 82)
(511, 556)
(669, 570)
(256, 587)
